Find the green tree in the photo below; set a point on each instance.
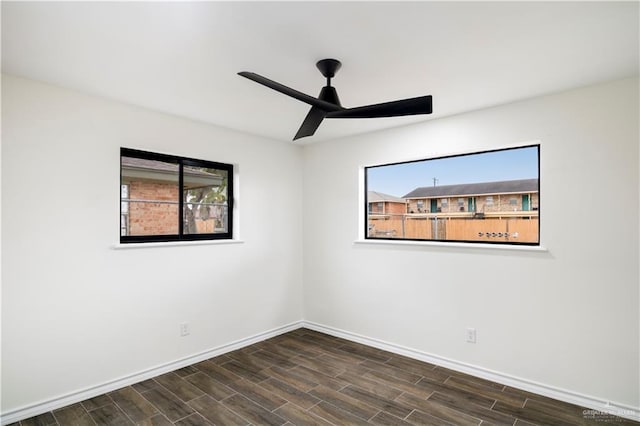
(209, 195)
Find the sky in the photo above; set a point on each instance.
(400, 179)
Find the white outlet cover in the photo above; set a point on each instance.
(184, 329)
(471, 335)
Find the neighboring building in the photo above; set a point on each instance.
(379, 203)
(512, 198)
(149, 192)
(385, 214)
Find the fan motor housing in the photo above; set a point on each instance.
(329, 94)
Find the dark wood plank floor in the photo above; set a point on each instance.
(308, 378)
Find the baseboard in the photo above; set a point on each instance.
(599, 406)
(93, 391)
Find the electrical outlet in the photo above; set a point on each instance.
(184, 329)
(471, 335)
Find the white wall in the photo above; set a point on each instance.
(567, 318)
(77, 313)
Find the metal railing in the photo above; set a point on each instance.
(214, 219)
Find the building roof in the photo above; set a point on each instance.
(160, 166)
(378, 197)
(140, 168)
(481, 188)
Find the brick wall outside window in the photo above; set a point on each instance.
(153, 218)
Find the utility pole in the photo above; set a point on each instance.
(435, 181)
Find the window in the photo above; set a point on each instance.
(169, 198)
(483, 188)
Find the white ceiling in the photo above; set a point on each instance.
(182, 57)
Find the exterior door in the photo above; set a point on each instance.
(525, 202)
(471, 205)
(434, 205)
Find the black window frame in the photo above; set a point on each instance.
(181, 162)
(471, 242)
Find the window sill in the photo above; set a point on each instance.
(454, 245)
(120, 246)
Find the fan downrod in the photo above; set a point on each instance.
(329, 67)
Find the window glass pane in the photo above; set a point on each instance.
(151, 207)
(205, 200)
(494, 198)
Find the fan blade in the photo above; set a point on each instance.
(412, 106)
(323, 105)
(310, 123)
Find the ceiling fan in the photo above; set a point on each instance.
(327, 104)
